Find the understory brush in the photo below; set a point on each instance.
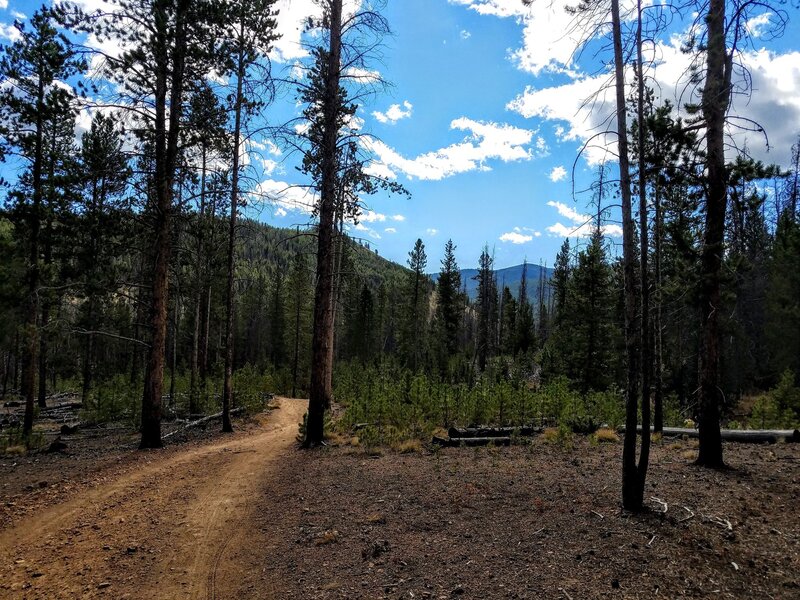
(395, 402)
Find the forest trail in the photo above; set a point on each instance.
(174, 527)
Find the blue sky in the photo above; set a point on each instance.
(484, 118)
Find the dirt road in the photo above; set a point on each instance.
(176, 526)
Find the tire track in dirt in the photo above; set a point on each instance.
(162, 530)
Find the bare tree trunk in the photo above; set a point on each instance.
(320, 390)
(43, 351)
(296, 358)
(33, 274)
(227, 388)
(658, 396)
(198, 300)
(716, 96)
(175, 333)
(6, 374)
(645, 342)
(632, 488)
(166, 152)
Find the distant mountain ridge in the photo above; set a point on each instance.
(510, 277)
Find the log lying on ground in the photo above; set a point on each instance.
(747, 436)
(471, 441)
(491, 432)
(199, 422)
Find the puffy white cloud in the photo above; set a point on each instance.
(515, 237)
(759, 24)
(580, 225)
(486, 141)
(399, 218)
(3, 4)
(9, 32)
(293, 16)
(371, 216)
(286, 196)
(431, 231)
(362, 75)
(394, 113)
(550, 34)
(585, 106)
(557, 174)
(370, 232)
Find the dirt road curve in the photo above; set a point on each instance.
(176, 527)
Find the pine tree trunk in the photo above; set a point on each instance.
(658, 395)
(45, 317)
(43, 351)
(166, 153)
(716, 96)
(320, 389)
(32, 301)
(198, 300)
(645, 342)
(632, 493)
(227, 388)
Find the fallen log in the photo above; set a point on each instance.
(745, 436)
(199, 422)
(491, 432)
(471, 441)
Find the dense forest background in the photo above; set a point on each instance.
(84, 270)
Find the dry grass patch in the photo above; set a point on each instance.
(16, 450)
(407, 447)
(689, 455)
(550, 435)
(605, 436)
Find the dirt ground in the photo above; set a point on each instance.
(159, 524)
(250, 516)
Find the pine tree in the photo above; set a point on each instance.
(415, 319)
(449, 305)
(40, 57)
(251, 30)
(487, 310)
(104, 174)
(524, 327)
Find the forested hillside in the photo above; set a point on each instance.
(133, 277)
(198, 403)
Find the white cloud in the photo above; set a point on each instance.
(292, 18)
(390, 230)
(515, 237)
(431, 231)
(580, 225)
(395, 113)
(399, 218)
(465, 35)
(362, 75)
(557, 174)
(759, 24)
(286, 196)
(486, 141)
(9, 32)
(550, 34)
(3, 4)
(370, 232)
(371, 216)
(585, 106)
(280, 212)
